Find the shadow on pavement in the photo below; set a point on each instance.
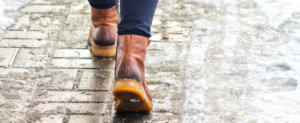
(131, 117)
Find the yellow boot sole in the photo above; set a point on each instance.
(130, 96)
(102, 51)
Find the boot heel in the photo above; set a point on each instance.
(104, 51)
(130, 96)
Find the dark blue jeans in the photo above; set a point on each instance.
(136, 15)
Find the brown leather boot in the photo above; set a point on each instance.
(103, 32)
(130, 88)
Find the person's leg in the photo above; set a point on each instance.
(103, 32)
(103, 4)
(130, 88)
(136, 17)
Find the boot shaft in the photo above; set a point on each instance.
(105, 17)
(103, 31)
(131, 53)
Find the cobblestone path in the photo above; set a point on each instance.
(209, 61)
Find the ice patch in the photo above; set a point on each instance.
(280, 107)
(8, 12)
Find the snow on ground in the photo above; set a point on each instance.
(8, 12)
(251, 72)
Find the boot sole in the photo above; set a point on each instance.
(102, 51)
(130, 96)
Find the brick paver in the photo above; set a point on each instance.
(24, 35)
(43, 8)
(6, 56)
(85, 119)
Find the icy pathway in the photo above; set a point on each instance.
(209, 61)
(243, 62)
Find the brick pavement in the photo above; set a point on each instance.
(49, 75)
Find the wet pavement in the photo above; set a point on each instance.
(209, 61)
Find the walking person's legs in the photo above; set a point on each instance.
(130, 88)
